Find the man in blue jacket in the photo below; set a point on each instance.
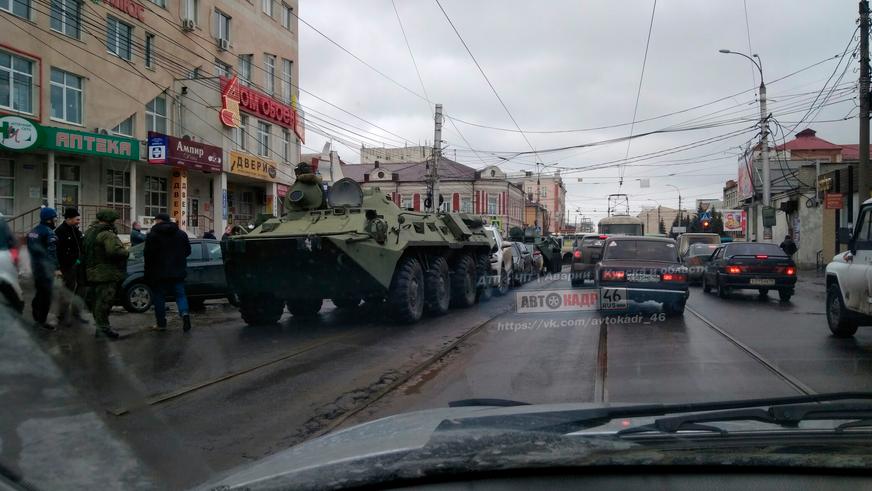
(42, 246)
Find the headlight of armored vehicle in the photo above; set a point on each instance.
(345, 193)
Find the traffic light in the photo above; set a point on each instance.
(705, 224)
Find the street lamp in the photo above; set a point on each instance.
(764, 128)
(658, 213)
(679, 201)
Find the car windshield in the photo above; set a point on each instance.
(643, 250)
(407, 214)
(702, 249)
(753, 250)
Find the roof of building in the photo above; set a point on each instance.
(806, 140)
(449, 170)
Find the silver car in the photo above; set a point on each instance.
(10, 289)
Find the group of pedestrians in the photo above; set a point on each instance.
(93, 264)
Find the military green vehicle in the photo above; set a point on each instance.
(548, 245)
(354, 245)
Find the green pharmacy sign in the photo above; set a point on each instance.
(72, 141)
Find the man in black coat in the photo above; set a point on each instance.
(71, 255)
(166, 252)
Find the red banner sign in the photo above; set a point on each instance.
(129, 7)
(833, 201)
(258, 104)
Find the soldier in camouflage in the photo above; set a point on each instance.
(106, 262)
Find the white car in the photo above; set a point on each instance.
(501, 263)
(849, 280)
(10, 289)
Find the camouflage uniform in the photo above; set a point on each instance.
(106, 260)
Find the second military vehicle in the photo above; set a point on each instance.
(351, 245)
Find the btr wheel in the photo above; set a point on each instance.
(307, 307)
(483, 291)
(406, 295)
(437, 287)
(463, 282)
(838, 317)
(137, 298)
(260, 309)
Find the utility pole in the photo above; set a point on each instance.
(538, 193)
(863, 169)
(432, 203)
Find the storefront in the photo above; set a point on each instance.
(251, 188)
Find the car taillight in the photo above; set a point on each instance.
(603, 237)
(762, 257)
(673, 277)
(608, 275)
(734, 269)
(576, 254)
(791, 271)
(14, 253)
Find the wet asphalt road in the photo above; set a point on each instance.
(193, 405)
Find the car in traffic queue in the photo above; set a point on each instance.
(695, 258)
(750, 266)
(500, 262)
(522, 263)
(641, 269)
(686, 240)
(849, 278)
(205, 278)
(587, 252)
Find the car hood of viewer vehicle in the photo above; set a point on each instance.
(425, 444)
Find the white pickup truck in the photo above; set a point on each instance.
(501, 263)
(849, 280)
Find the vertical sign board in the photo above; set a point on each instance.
(180, 197)
(224, 203)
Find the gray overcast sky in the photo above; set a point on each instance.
(576, 64)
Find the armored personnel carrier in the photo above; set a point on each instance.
(351, 245)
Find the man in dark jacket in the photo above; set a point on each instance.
(136, 235)
(106, 265)
(788, 246)
(166, 252)
(71, 253)
(42, 246)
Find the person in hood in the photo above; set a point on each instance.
(106, 267)
(42, 246)
(166, 251)
(71, 255)
(788, 246)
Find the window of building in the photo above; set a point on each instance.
(269, 62)
(117, 187)
(286, 145)
(156, 114)
(245, 69)
(543, 192)
(287, 72)
(222, 25)
(149, 50)
(125, 128)
(245, 207)
(267, 6)
(65, 17)
(160, 3)
(156, 195)
(21, 8)
(194, 73)
(119, 38)
(263, 132)
(7, 186)
(66, 96)
(287, 13)
(191, 9)
(492, 206)
(16, 83)
(240, 134)
(406, 202)
(222, 69)
(466, 204)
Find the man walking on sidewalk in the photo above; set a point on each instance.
(788, 246)
(71, 255)
(166, 252)
(42, 246)
(106, 263)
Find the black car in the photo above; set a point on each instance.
(695, 258)
(586, 252)
(750, 266)
(522, 263)
(205, 278)
(641, 269)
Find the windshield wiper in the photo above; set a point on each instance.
(788, 416)
(569, 420)
(486, 402)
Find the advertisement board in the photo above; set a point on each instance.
(734, 220)
(184, 152)
(745, 183)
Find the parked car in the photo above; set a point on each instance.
(522, 263)
(10, 289)
(688, 239)
(501, 262)
(587, 252)
(696, 258)
(641, 269)
(750, 266)
(848, 280)
(205, 278)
